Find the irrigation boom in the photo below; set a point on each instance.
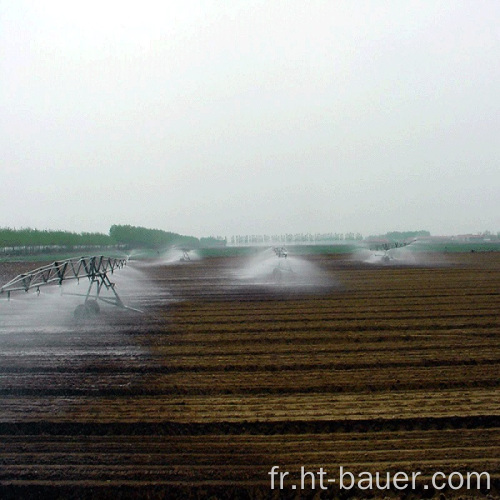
(95, 269)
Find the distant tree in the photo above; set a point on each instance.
(135, 237)
(401, 235)
(35, 240)
(211, 242)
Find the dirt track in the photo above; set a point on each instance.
(375, 368)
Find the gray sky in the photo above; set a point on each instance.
(248, 117)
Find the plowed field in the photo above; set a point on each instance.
(373, 368)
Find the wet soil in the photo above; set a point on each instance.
(224, 375)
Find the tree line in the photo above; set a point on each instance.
(33, 241)
(297, 238)
(30, 240)
(141, 237)
(401, 235)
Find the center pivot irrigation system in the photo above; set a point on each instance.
(185, 255)
(283, 269)
(281, 252)
(95, 269)
(388, 250)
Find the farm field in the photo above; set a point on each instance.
(371, 367)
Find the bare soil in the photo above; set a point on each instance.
(373, 368)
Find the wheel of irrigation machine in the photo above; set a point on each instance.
(93, 307)
(81, 312)
(85, 311)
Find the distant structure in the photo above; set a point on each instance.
(185, 255)
(281, 252)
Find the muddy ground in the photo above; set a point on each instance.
(231, 370)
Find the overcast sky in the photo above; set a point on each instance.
(250, 117)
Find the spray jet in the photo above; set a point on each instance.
(283, 269)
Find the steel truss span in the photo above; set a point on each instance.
(96, 269)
